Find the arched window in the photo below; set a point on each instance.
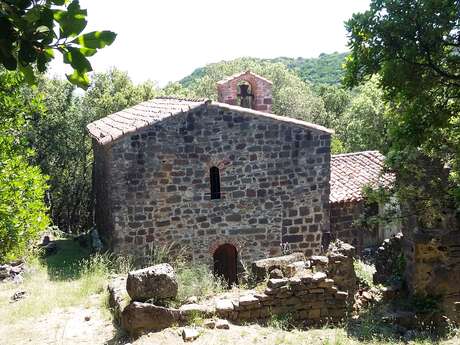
(214, 177)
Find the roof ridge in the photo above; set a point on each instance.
(272, 116)
(355, 153)
(187, 99)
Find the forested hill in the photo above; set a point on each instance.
(325, 69)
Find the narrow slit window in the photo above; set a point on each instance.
(214, 176)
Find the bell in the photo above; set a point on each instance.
(244, 91)
(245, 96)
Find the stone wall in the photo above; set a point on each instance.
(274, 177)
(431, 229)
(345, 225)
(340, 267)
(433, 264)
(312, 298)
(389, 260)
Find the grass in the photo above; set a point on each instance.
(193, 279)
(283, 321)
(199, 281)
(72, 277)
(65, 279)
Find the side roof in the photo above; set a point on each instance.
(117, 125)
(350, 172)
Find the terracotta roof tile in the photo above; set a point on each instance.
(129, 120)
(350, 172)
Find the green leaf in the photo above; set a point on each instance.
(8, 60)
(42, 29)
(77, 60)
(49, 52)
(87, 51)
(43, 58)
(96, 39)
(79, 79)
(28, 73)
(27, 53)
(73, 21)
(6, 29)
(33, 14)
(46, 18)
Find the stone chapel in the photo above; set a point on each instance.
(226, 181)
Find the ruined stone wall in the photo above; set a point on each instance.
(433, 263)
(274, 185)
(389, 261)
(313, 298)
(345, 225)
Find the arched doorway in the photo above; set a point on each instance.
(225, 261)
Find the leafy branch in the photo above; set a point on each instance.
(32, 31)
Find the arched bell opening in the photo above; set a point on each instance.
(225, 263)
(245, 95)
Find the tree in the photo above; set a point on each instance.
(113, 91)
(336, 100)
(363, 124)
(32, 31)
(413, 46)
(22, 186)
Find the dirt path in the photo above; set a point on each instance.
(61, 327)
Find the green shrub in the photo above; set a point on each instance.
(22, 186)
(22, 210)
(364, 273)
(197, 280)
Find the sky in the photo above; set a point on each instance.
(165, 40)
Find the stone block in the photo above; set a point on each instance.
(277, 283)
(341, 295)
(327, 283)
(261, 268)
(190, 334)
(156, 282)
(222, 324)
(314, 313)
(248, 300)
(138, 317)
(319, 277)
(224, 306)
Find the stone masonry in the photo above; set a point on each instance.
(227, 90)
(152, 180)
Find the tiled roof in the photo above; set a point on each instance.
(237, 75)
(130, 120)
(350, 172)
(114, 126)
